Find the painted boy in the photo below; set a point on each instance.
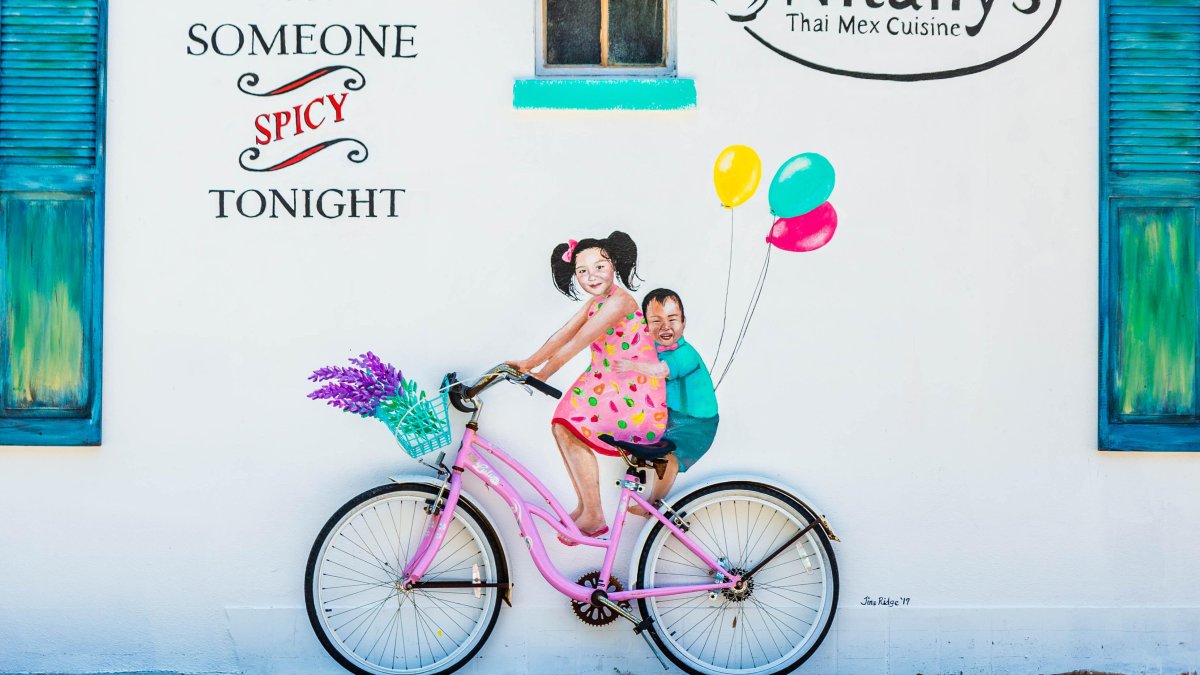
(691, 399)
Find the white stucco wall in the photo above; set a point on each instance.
(928, 379)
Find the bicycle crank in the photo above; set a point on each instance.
(594, 613)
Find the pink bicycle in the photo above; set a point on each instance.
(736, 577)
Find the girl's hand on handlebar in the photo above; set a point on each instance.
(522, 365)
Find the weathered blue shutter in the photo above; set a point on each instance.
(1150, 213)
(51, 220)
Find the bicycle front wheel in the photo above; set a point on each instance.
(353, 587)
(771, 625)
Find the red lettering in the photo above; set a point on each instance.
(261, 125)
(299, 119)
(308, 111)
(281, 120)
(337, 106)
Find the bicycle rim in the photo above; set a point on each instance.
(771, 627)
(354, 590)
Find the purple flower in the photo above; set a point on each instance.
(358, 389)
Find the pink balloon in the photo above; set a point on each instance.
(805, 232)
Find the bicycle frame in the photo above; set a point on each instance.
(471, 457)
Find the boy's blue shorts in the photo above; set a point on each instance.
(693, 436)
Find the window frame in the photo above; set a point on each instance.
(1158, 184)
(48, 428)
(542, 69)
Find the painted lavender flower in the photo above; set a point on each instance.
(358, 389)
(371, 388)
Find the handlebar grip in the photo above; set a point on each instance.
(542, 387)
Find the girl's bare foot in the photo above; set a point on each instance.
(589, 527)
(637, 510)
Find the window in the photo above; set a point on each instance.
(605, 37)
(51, 220)
(605, 55)
(1149, 221)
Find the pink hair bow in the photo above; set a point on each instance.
(570, 252)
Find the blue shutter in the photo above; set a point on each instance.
(51, 220)
(1150, 201)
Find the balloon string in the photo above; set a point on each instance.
(737, 346)
(725, 312)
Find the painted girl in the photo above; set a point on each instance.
(629, 405)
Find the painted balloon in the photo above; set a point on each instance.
(806, 232)
(802, 184)
(736, 175)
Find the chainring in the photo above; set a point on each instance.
(597, 615)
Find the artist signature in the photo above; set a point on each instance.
(884, 601)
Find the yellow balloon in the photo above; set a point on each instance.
(736, 175)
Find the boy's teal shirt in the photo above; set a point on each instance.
(689, 386)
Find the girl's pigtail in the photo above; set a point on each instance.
(623, 253)
(563, 272)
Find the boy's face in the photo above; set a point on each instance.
(665, 320)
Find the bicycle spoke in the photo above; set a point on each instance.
(443, 604)
(773, 612)
(787, 599)
(351, 570)
(381, 564)
(715, 615)
(343, 597)
(367, 605)
(396, 529)
(348, 554)
(750, 548)
(433, 569)
(383, 633)
(379, 519)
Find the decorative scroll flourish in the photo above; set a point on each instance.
(357, 155)
(353, 83)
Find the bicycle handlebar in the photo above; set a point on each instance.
(462, 396)
(542, 387)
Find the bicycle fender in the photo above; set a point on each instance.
(768, 481)
(427, 479)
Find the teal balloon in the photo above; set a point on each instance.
(803, 183)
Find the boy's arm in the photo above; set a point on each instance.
(682, 362)
(658, 369)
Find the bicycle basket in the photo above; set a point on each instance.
(421, 425)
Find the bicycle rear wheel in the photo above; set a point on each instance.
(778, 620)
(353, 585)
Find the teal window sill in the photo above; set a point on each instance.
(584, 93)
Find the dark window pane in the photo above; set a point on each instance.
(572, 32)
(635, 32)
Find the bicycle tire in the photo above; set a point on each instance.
(793, 599)
(434, 617)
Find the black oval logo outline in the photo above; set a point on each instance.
(913, 77)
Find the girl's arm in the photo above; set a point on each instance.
(592, 329)
(555, 342)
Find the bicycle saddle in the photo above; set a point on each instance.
(647, 452)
